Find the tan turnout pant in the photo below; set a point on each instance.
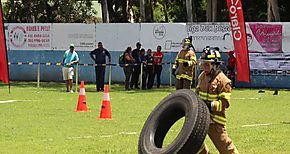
(219, 136)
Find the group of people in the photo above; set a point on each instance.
(213, 87)
(152, 66)
(133, 59)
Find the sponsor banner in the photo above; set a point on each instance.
(266, 37)
(235, 10)
(4, 72)
(168, 36)
(29, 36)
(81, 35)
(211, 34)
(117, 37)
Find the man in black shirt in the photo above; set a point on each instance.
(99, 56)
(137, 69)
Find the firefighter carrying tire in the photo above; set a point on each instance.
(182, 103)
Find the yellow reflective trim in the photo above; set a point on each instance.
(185, 76)
(95, 65)
(219, 119)
(48, 64)
(30, 63)
(201, 148)
(58, 64)
(225, 95)
(181, 60)
(86, 64)
(220, 105)
(19, 63)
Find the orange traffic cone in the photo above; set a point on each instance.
(106, 112)
(82, 103)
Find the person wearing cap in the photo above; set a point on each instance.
(99, 56)
(185, 63)
(70, 58)
(214, 88)
(137, 67)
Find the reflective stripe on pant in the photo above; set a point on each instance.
(182, 84)
(220, 139)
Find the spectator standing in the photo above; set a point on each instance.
(99, 56)
(136, 68)
(158, 56)
(231, 67)
(70, 58)
(143, 62)
(149, 74)
(128, 68)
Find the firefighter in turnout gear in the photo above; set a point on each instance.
(214, 88)
(185, 62)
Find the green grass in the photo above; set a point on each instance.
(45, 121)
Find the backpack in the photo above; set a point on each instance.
(122, 60)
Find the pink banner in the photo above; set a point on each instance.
(269, 36)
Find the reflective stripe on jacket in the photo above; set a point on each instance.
(215, 89)
(189, 57)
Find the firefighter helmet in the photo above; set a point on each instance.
(187, 43)
(211, 54)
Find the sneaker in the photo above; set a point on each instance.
(71, 91)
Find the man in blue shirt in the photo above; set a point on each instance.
(99, 57)
(70, 58)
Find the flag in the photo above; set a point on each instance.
(240, 39)
(4, 76)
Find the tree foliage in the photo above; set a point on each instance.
(70, 11)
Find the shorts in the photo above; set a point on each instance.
(68, 73)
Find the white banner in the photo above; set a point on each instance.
(117, 37)
(34, 36)
(211, 34)
(168, 36)
(81, 35)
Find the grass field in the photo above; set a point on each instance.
(44, 120)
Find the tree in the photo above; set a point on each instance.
(273, 11)
(211, 12)
(69, 11)
(105, 12)
(189, 10)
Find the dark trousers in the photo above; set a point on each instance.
(128, 73)
(135, 76)
(157, 71)
(100, 77)
(182, 84)
(148, 77)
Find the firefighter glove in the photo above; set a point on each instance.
(185, 64)
(209, 106)
(173, 72)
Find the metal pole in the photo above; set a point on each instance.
(195, 75)
(77, 76)
(38, 75)
(141, 73)
(110, 75)
(170, 74)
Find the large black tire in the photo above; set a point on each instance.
(182, 103)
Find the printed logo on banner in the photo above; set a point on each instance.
(159, 31)
(18, 36)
